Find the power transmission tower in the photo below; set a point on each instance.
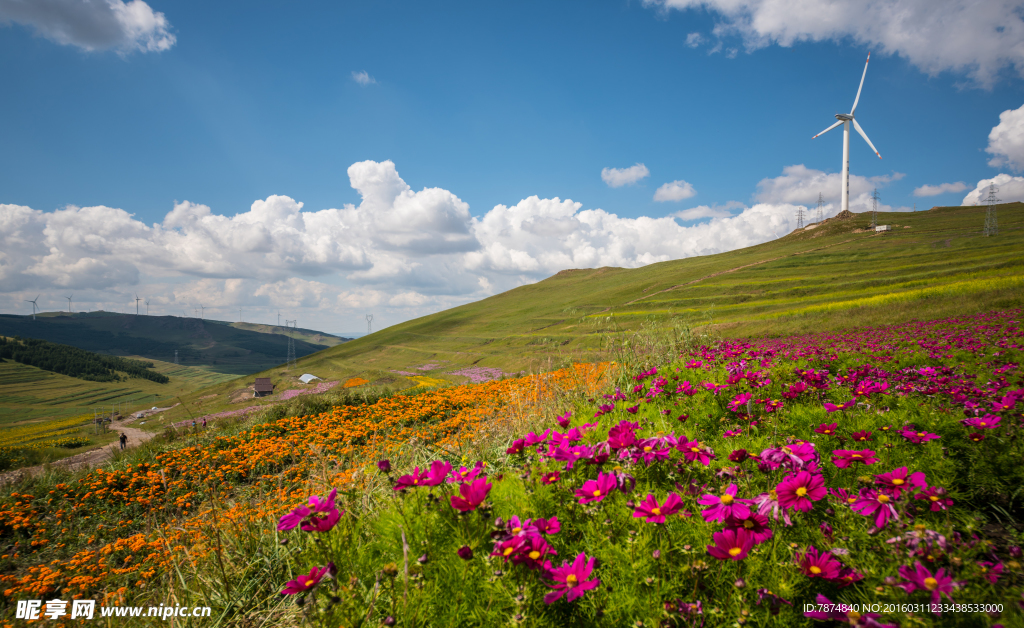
(291, 345)
(800, 217)
(175, 356)
(369, 320)
(874, 208)
(991, 226)
(821, 207)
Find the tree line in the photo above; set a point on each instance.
(75, 362)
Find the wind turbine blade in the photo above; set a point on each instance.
(838, 122)
(857, 99)
(865, 136)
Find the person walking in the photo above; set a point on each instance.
(124, 440)
(204, 423)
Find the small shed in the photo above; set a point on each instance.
(883, 228)
(263, 387)
(307, 378)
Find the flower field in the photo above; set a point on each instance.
(865, 478)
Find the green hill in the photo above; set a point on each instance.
(835, 275)
(229, 348)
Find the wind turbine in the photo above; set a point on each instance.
(203, 309)
(137, 299)
(33, 302)
(147, 308)
(845, 119)
(69, 303)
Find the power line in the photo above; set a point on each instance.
(821, 207)
(800, 217)
(991, 225)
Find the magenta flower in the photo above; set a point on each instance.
(936, 497)
(506, 547)
(563, 420)
(623, 435)
(652, 450)
(473, 494)
(521, 527)
(466, 475)
(439, 471)
(828, 429)
(920, 577)
(724, 505)
(293, 518)
(694, 451)
(799, 490)
(532, 552)
(319, 516)
(732, 433)
(769, 503)
(756, 525)
(815, 564)
(730, 545)
(918, 437)
(570, 455)
(872, 502)
(898, 480)
(550, 478)
(976, 437)
(652, 512)
(739, 402)
(571, 580)
(322, 521)
(465, 552)
(861, 436)
(843, 458)
(739, 455)
(548, 526)
(416, 478)
(794, 390)
(384, 465)
(988, 422)
(831, 407)
(990, 571)
(308, 581)
(517, 447)
(597, 490)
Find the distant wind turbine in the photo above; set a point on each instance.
(33, 302)
(137, 299)
(204, 310)
(845, 119)
(69, 303)
(147, 308)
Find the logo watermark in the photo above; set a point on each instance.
(87, 609)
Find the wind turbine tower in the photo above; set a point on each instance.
(147, 308)
(845, 119)
(137, 299)
(203, 309)
(33, 302)
(69, 303)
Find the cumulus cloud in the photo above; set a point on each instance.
(674, 191)
(942, 188)
(801, 185)
(708, 211)
(1008, 189)
(93, 24)
(363, 77)
(693, 40)
(976, 38)
(618, 177)
(1006, 140)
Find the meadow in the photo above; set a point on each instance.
(869, 477)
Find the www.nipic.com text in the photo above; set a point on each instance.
(86, 609)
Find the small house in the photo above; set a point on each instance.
(263, 387)
(883, 228)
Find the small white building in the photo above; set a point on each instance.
(307, 378)
(883, 228)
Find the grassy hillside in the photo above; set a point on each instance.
(836, 275)
(230, 348)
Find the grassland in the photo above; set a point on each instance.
(835, 275)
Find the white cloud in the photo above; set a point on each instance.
(942, 188)
(966, 36)
(674, 191)
(801, 185)
(708, 211)
(693, 40)
(1009, 189)
(363, 77)
(618, 177)
(93, 25)
(1006, 140)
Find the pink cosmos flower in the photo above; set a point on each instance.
(817, 564)
(730, 544)
(794, 390)
(521, 527)
(918, 436)
(308, 581)
(756, 525)
(439, 470)
(293, 518)
(898, 480)
(550, 478)
(732, 433)
(769, 503)
(991, 571)
(532, 553)
(570, 455)
(532, 439)
(571, 580)
(828, 429)
(936, 497)
(548, 526)
(693, 450)
(843, 458)
(976, 437)
(714, 388)
(831, 407)
(724, 505)
(517, 447)
(799, 490)
(861, 436)
(654, 513)
(416, 478)
(938, 584)
(739, 402)
(652, 450)
(872, 502)
(597, 490)
(988, 422)
(623, 435)
(473, 494)
(563, 420)
(466, 475)
(509, 546)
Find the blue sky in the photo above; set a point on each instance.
(118, 107)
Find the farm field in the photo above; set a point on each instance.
(772, 482)
(831, 276)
